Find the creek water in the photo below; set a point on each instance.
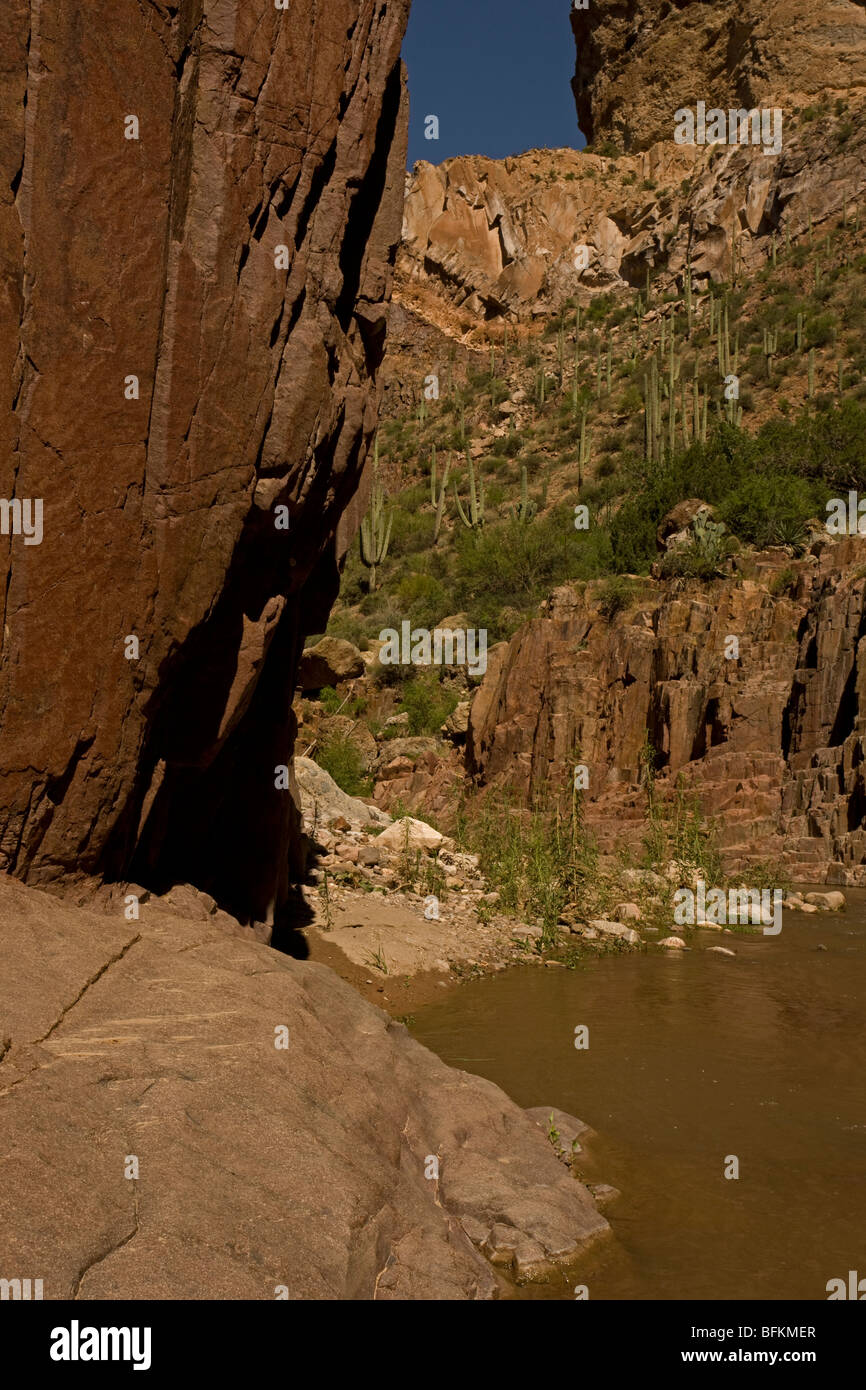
(694, 1057)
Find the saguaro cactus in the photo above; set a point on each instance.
(653, 415)
(724, 341)
(375, 529)
(526, 507)
(689, 301)
(583, 454)
(473, 517)
(438, 495)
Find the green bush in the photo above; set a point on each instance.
(427, 704)
(614, 596)
(341, 758)
(329, 700)
(513, 444)
(764, 487)
(423, 598)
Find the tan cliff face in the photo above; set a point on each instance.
(640, 60)
(170, 379)
(486, 238)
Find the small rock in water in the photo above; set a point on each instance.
(605, 928)
(602, 1193)
(826, 902)
(720, 951)
(673, 943)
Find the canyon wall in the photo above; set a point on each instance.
(773, 739)
(639, 60)
(199, 210)
(483, 238)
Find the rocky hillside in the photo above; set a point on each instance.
(694, 384)
(639, 61)
(485, 239)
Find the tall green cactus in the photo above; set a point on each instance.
(583, 454)
(689, 302)
(733, 413)
(438, 494)
(700, 402)
(674, 366)
(653, 413)
(473, 517)
(771, 347)
(375, 529)
(526, 507)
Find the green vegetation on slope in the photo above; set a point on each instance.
(623, 411)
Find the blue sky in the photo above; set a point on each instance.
(497, 73)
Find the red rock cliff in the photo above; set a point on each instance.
(156, 258)
(772, 741)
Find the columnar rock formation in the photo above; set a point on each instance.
(171, 378)
(772, 738)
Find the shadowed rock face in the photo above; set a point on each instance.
(639, 60)
(156, 258)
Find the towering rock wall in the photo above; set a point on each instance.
(170, 379)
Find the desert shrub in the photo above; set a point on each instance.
(782, 582)
(614, 596)
(513, 444)
(341, 758)
(820, 330)
(412, 532)
(422, 599)
(428, 704)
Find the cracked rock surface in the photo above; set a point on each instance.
(258, 1166)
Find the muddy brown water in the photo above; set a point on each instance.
(694, 1057)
